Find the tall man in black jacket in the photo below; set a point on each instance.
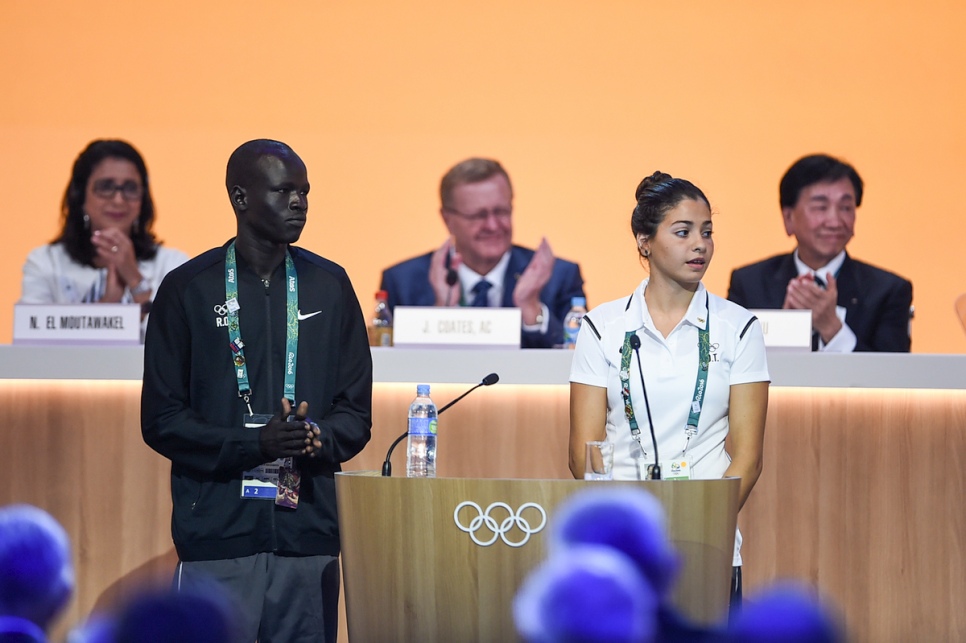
(855, 306)
(257, 386)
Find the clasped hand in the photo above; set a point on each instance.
(526, 293)
(281, 438)
(803, 293)
(114, 250)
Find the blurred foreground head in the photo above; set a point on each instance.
(625, 519)
(586, 593)
(166, 616)
(36, 573)
(170, 617)
(610, 565)
(785, 613)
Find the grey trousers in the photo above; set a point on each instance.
(279, 599)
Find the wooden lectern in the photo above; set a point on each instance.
(412, 574)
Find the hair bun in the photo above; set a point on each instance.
(651, 181)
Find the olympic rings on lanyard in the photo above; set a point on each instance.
(499, 530)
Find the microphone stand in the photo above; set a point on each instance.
(656, 469)
(489, 380)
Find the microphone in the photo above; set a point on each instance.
(656, 469)
(489, 380)
(452, 277)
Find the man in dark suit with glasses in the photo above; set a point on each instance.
(479, 265)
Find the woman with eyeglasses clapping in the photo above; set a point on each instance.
(106, 251)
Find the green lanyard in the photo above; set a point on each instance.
(234, 328)
(700, 384)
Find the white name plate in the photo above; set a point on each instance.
(457, 327)
(787, 329)
(115, 324)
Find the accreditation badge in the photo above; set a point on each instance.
(673, 469)
(289, 482)
(278, 480)
(677, 468)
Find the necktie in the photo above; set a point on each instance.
(815, 336)
(480, 291)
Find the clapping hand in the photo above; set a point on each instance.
(804, 293)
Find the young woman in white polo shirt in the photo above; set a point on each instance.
(672, 359)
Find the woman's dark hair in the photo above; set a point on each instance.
(656, 195)
(75, 234)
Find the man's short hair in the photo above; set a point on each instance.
(817, 168)
(242, 161)
(471, 170)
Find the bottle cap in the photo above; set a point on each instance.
(578, 301)
(422, 389)
(382, 294)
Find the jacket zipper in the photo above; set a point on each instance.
(268, 381)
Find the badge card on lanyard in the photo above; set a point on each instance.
(278, 480)
(678, 468)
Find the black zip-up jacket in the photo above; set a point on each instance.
(191, 412)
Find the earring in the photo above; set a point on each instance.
(646, 253)
(87, 222)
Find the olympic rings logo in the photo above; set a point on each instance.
(484, 520)
(221, 309)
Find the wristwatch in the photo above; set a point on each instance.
(142, 287)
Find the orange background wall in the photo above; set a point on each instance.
(579, 100)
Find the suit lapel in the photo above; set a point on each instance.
(847, 283)
(778, 282)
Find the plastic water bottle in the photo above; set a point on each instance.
(380, 331)
(421, 448)
(578, 308)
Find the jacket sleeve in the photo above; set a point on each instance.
(408, 283)
(166, 260)
(890, 330)
(38, 278)
(736, 290)
(346, 425)
(169, 424)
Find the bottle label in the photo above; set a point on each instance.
(422, 426)
(571, 330)
(380, 336)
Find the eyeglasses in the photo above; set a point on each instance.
(501, 214)
(107, 188)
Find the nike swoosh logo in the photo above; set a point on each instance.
(306, 316)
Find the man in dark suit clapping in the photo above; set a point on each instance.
(855, 306)
(479, 265)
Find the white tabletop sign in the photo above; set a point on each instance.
(786, 329)
(114, 324)
(463, 327)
